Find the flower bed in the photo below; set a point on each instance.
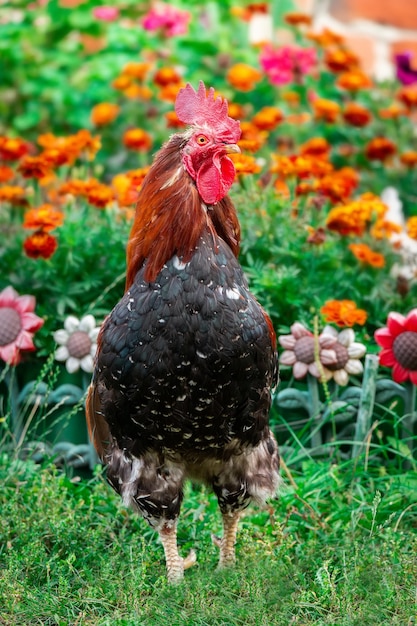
(325, 192)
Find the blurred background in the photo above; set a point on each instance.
(376, 30)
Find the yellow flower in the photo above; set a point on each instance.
(411, 227)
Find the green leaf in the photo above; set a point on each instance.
(33, 390)
(351, 395)
(292, 399)
(340, 411)
(400, 447)
(66, 394)
(387, 389)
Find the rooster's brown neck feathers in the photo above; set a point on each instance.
(171, 217)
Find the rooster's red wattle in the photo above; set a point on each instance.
(186, 360)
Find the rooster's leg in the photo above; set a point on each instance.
(175, 564)
(227, 542)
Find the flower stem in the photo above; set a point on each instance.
(315, 414)
(410, 415)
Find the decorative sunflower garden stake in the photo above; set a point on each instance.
(321, 357)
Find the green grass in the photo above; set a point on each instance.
(338, 547)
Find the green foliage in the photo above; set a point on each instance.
(85, 275)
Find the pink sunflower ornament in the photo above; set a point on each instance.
(18, 323)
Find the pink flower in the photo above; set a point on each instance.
(106, 13)
(399, 346)
(286, 64)
(18, 323)
(167, 18)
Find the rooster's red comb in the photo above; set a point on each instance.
(197, 107)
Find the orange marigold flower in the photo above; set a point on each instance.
(341, 60)
(45, 217)
(392, 112)
(12, 149)
(380, 149)
(127, 185)
(126, 193)
(6, 173)
(104, 113)
(316, 146)
(138, 92)
(268, 118)
(353, 218)
(245, 13)
(99, 195)
(40, 245)
(166, 76)
(366, 255)
(326, 110)
(408, 96)
(282, 165)
(245, 164)
(252, 139)
(354, 80)
(60, 150)
(13, 194)
(136, 70)
(121, 83)
(343, 313)
(302, 166)
(307, 166)
(73, 187)
(291, 97)
(50, 141)
(297, 19)
(137, 176)
(409, 158)
(243, 77)
(170, 92)
(384, 229)
(411, 227)
(84, 142)
(137, 139)
(303, 188)
(236, 111)
(173, 121)
(34, 167)
(338, 185)
(325, 38)
(55, 157)
(282, 188)
(356, 115)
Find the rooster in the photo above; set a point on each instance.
(187, 359)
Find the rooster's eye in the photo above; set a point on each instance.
(201, 140)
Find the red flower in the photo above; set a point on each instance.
(398, 341)
(40, 245)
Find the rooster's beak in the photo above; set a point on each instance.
(231, 147)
